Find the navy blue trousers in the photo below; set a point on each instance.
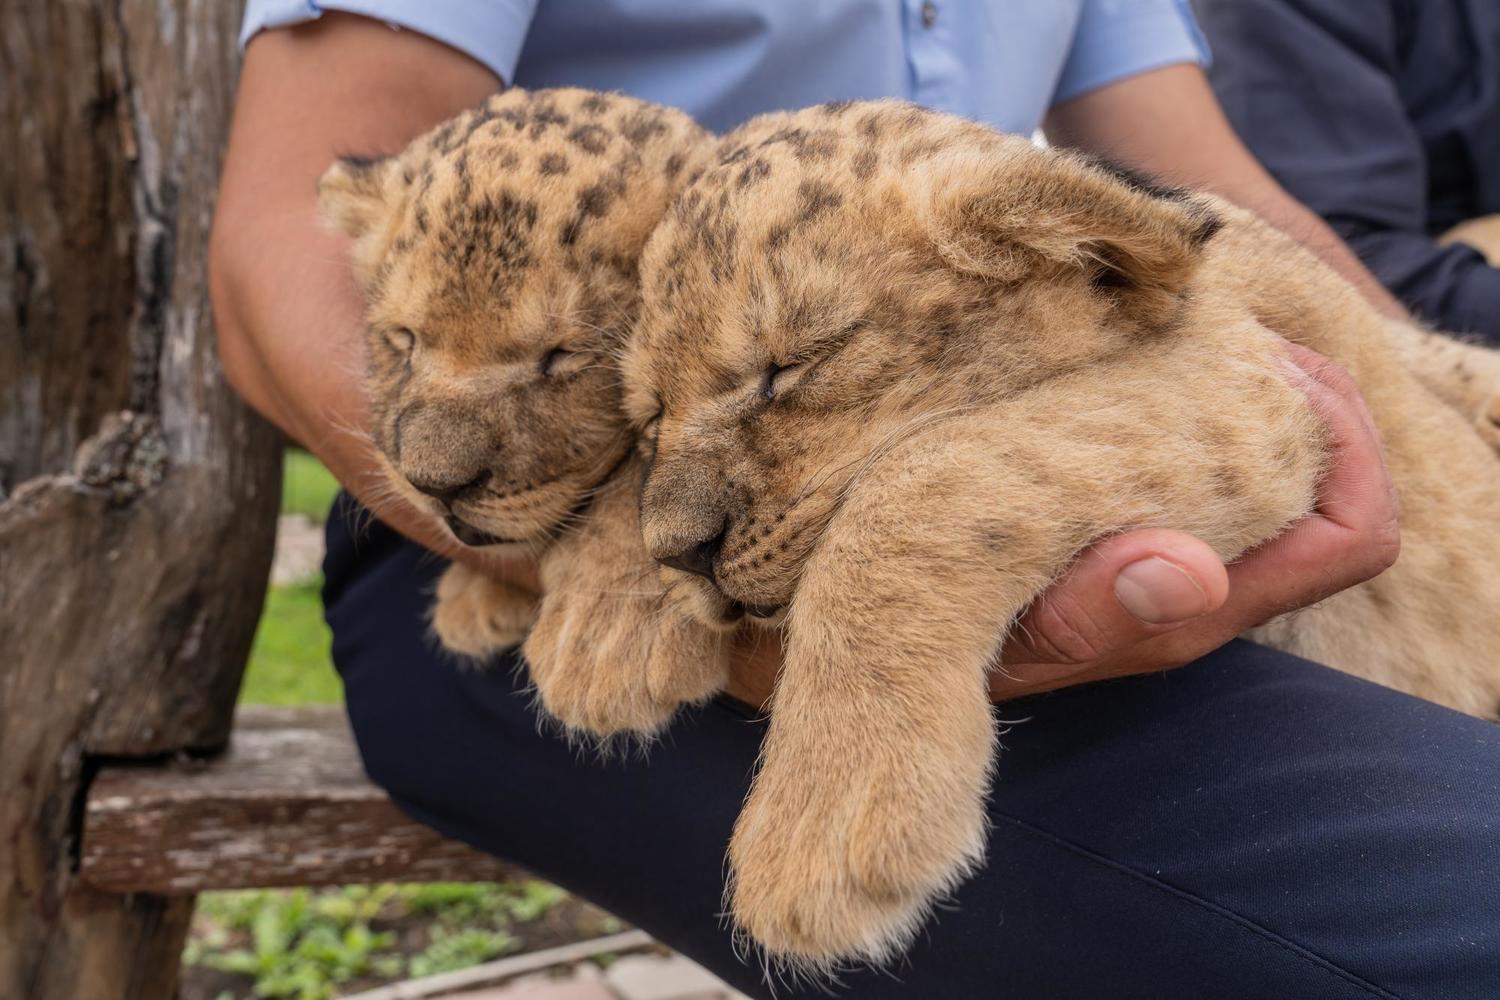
(1251, 826)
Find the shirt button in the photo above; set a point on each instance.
(929, 14)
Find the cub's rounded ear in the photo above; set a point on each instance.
(354, 192)
(1010, 209)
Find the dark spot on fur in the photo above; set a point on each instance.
(590, 138)
(994, 538)
(517, 118)
(806, 146)
(595, 199)
(596, 104)
(835, 108)
(642, 125)
(817, 198)
(864, 164)
(753, 172)
(1228, 482)
(673, 165)
(921, 150)
(476, 121)
(593, 202)
(544, 115)
(444, 134)
(553, 164)
(912, 116)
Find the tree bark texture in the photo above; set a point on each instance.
(137, 494)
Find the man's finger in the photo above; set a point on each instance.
(1120, 592)
(1353, 534)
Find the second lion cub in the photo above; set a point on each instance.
(899, 370)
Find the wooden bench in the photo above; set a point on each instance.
(286, 804)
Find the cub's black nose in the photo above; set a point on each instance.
(447, 493)
(697, 559)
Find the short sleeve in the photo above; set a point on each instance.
(1120, 38)
(492, 31)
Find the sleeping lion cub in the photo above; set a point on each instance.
(498, 256)
(899, 370)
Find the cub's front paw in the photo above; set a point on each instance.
(477, 616)
(824, 873)
(606, 668)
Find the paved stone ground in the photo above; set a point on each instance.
(635, 977)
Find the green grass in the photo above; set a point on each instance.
(290, 662)
(303, 944)
(306, 487)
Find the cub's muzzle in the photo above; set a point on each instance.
(697, 558)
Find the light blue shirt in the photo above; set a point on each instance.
(1002, 62)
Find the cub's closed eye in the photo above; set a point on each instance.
(554, 359)
(776, 379)
(401, 340)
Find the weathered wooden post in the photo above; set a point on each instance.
(137, 495)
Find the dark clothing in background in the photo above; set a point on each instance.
(1251, 826)
(1383, 116)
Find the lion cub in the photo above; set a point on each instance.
(498, 256)
(899, 370)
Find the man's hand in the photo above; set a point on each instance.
(1147, 601)
(1151, 600)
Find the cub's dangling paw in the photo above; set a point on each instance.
(609, 666)
(477, 616)
(824, 874)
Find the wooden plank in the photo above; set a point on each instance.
(287, 804)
